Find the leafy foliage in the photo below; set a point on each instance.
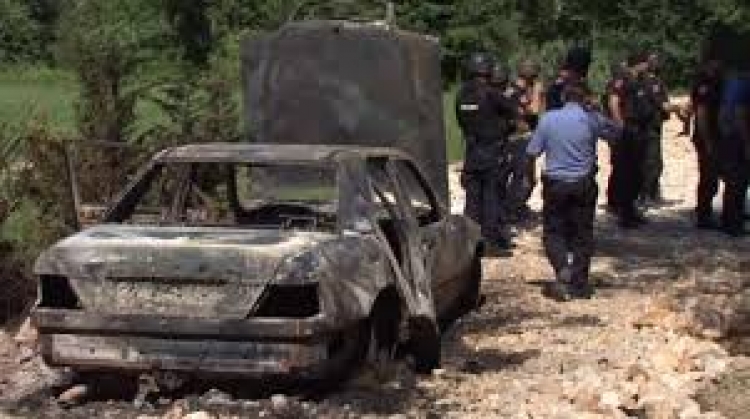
(198, 107)
(108, 45)
(510, 28)
(20, 35)
(33, 205)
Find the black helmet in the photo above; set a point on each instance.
(500, 74)
(479, 64)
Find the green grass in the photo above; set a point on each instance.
(455, 145)
(33, 93)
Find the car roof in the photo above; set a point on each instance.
(269, 153)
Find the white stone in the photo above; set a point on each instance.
(279, 403)
(73, 395)
(610, 401)
(27, 334)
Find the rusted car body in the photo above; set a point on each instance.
(252, 260)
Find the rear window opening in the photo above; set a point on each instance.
(282, 196)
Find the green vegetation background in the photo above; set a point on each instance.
(38, 74)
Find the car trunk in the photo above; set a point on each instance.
(172, 271)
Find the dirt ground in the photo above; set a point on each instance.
(634, 350)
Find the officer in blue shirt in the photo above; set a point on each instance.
(568, 137)
(734, 149)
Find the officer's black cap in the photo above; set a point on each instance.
(480, 64)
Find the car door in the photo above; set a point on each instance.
(440, 235)
(401, 235)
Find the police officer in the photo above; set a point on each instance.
(633, 107)
(734, 146)
(482, 112)
(516, 132)
(653, 165)
(527, 93)
(618, 75)
(575, 68)
(618, 71)
(705, 99)
(567, 137)
(529, 90)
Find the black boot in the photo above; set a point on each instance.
(557, 291)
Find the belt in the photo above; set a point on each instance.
(576, 179)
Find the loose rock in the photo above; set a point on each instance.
(73, 395)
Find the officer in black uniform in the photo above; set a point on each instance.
(575, 69)
(619, 73)
(633, 107)
(734, 144)
(512, 166)
(527, 95)
(705, 101)
(482, 112)
(654, 164)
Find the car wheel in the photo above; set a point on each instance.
(383, 342)
(424, 344)
(346, 351)
(472, 296)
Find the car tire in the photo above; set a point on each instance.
(343, 364)
(383, 341)
(424, 344)
(472, 297)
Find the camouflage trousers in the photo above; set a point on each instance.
(653, 165)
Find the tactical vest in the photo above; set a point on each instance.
(639, 105)
(478, 113)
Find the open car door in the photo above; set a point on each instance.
(399, 232)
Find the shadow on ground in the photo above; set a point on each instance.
(668, 249)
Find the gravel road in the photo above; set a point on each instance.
(654, 340)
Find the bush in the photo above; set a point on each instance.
(34, 207)
(110, 46)
(21, 38)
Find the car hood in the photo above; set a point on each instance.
(216, 272)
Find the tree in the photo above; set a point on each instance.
(20, 38)
(192, 27)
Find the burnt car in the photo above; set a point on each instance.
(253, 260)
